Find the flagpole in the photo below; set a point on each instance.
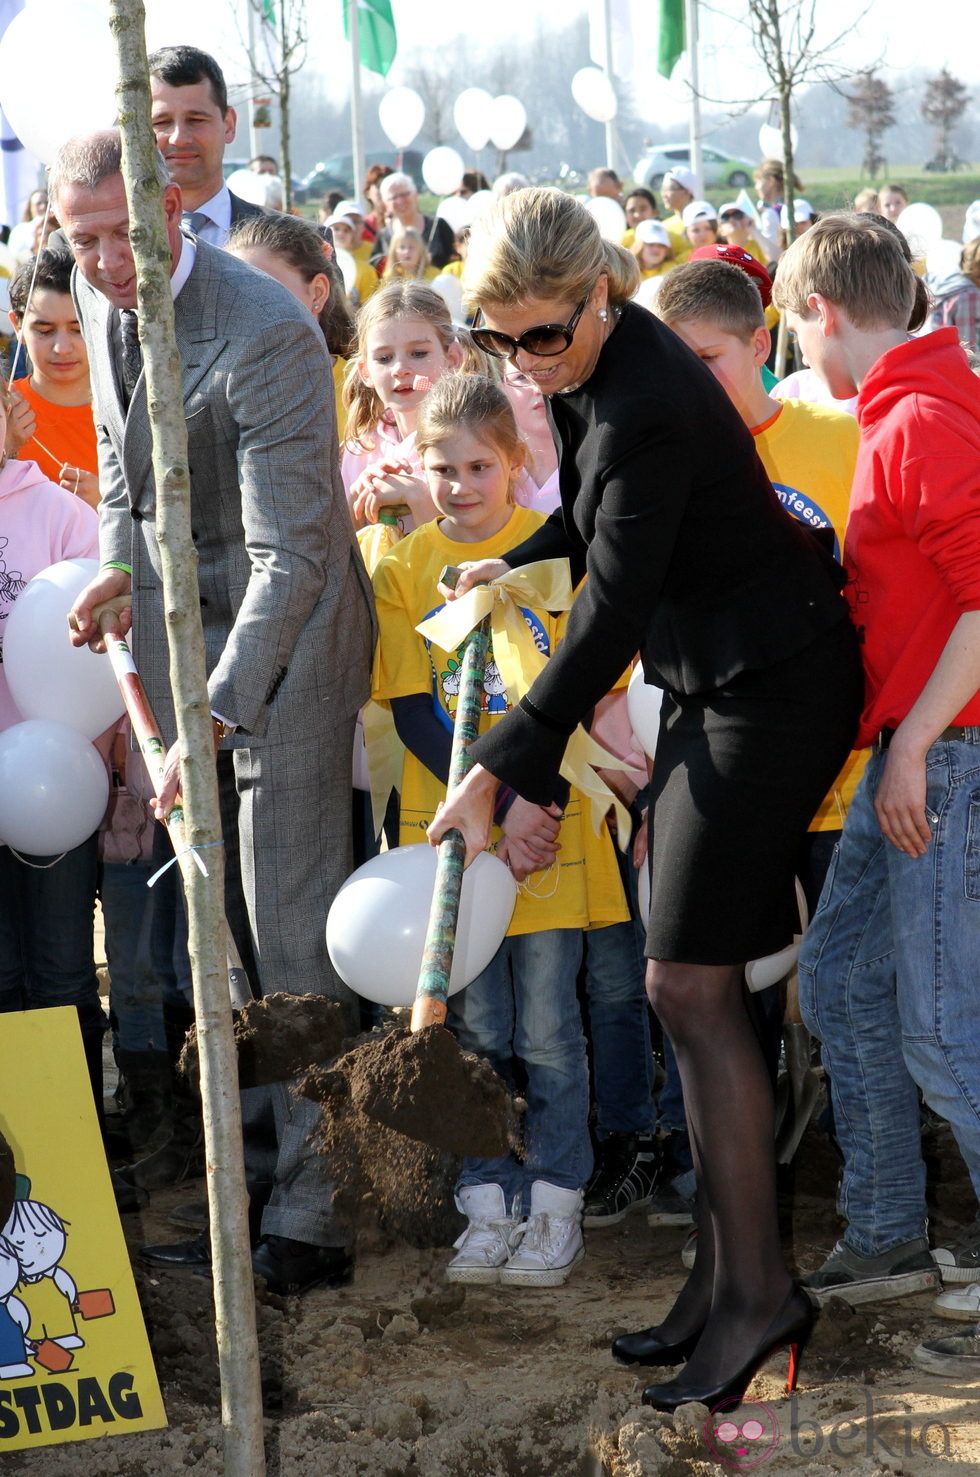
(691, 36)
(607, 51)
(356, 110)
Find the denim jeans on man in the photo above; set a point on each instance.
(889, 974)
(524, 1006)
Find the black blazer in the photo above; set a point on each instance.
(691, 560)
(243, 210)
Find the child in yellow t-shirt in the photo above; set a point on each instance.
(808, 450)
(524, 1219)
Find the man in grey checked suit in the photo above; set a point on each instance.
(285, 601)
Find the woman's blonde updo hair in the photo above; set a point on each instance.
(542, 243)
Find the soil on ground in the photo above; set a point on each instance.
(401, 1373)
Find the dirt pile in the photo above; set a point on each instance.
(422, 1085)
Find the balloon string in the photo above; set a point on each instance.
(38, 866)
(20, 331)
(186, 851)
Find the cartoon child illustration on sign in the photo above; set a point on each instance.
(14, 1318)
(38, 1236)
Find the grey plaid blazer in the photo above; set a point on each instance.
(285, 600)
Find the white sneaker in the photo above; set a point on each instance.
(960, 1302)
(488, 1240)
(550, 1239)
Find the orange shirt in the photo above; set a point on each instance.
(65, 433)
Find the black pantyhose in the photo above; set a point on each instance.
(739, 1279)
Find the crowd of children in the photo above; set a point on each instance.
(457, 447)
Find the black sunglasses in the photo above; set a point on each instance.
(544, 340)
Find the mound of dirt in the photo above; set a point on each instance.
(422, 1085)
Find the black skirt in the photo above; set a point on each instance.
(739, 773)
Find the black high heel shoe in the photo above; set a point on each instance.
(792, 1325)
(645, 1347)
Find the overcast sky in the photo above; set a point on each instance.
(897, 30)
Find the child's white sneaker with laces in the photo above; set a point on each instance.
(550, 1239)
(488, 1240)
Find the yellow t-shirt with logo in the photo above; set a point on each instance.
(582, 889)
(809, 453)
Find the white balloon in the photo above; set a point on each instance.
(771, 141)
(508, 121)
(454, 209)
(608, 215)
(450, 289)
(478, 202)
(442, 170)
(47, 676)
(376, 926)
(348, 268)
(643, 702)
(921, 225)
(471, 114)
(761, 973)
(943, 257)
(401, 113)
(53, 787)
(76, 45)
(594, 93)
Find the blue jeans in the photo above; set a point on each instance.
(619, 1025)
(888, 983)
(524, 1006)
(47, 916)
(135, 992)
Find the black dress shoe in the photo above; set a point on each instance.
(792, 1325)
(290, 1267)
(180, 1256)
(645, 1347)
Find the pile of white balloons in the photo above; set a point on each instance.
(377, 924)
(53, 783)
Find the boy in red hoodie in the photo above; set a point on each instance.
(888, 970)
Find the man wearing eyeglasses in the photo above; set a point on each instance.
(401, 202)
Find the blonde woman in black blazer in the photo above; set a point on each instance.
(737, 614)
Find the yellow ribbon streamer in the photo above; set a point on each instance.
(546, 585)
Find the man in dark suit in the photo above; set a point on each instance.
(285, 604)
(193, 123)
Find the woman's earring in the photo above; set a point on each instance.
(603, 315)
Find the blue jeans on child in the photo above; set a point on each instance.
(619, 1024)
(888, 983)
(524, 1006)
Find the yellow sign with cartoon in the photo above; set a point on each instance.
(75, 1361)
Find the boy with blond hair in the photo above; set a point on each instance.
(808, 450)
(889, 965)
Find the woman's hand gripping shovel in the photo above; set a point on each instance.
(154, 753)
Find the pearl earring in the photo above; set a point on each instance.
(603, 315)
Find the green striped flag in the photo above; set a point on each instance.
(377, 32)
(670, 42)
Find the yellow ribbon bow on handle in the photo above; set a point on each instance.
(546, 585)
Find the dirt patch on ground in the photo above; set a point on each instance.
(401, 1375)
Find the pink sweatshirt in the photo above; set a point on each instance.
(40, 524)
